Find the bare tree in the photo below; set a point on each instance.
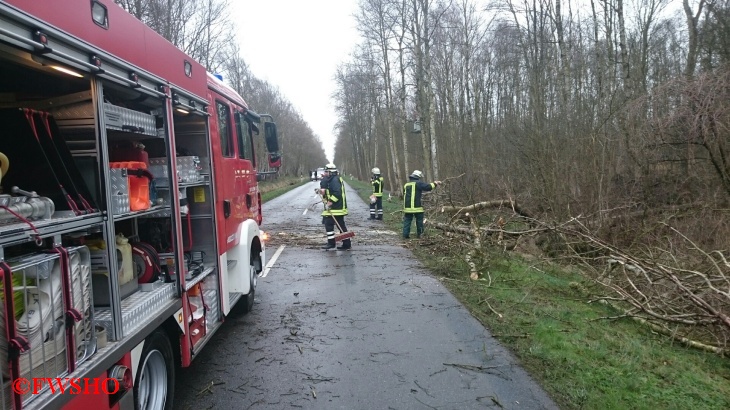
(422, 28)
(376, 21)
(205, 39)
(137, 8)
(403, 67)
(694, 33)
(623, 47)
(715, 39)
(358, 99)
(197, 27)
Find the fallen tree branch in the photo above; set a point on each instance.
(472, 367)
(485, 230)
(490, 307)
(668, 283)
(474, 233)
(498, 204)
(666, 332)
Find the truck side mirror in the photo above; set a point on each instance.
(272, 144)
(272, 139)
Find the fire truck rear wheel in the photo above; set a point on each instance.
(252, 275)
(155, 382)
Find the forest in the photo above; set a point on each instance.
(592, 132)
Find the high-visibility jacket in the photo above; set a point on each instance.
(412, 191)
(334, 191)
(377, 183)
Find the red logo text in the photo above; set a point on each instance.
(66, 385)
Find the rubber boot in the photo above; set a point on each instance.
(329, 245)
(346, 244)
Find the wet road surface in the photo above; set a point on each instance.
(367, 328)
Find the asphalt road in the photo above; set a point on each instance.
(367, 328)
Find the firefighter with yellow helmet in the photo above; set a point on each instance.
(376, 199)
(332, 189)
(412, 207)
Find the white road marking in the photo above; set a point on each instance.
(305, 211)
(273, 260)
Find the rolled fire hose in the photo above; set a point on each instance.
(33, 208)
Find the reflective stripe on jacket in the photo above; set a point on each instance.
(334, 187)
(412, 191)
(377, 186)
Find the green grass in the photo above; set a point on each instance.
(272, 189)
(582, 359)
(541, 312)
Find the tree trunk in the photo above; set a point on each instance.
(623, 48)
(693, 33)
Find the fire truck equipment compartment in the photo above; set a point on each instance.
(100, 285)
(42, 161)
(81, 116)
(37, 279)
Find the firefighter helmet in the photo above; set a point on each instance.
(376, 171)
(330, 167)
(417, 174)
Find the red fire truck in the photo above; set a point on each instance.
(129, 210)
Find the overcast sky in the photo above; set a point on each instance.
(296, 46)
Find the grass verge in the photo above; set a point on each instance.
(584, 359)
(273, 188)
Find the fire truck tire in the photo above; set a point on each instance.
(252, 275)
(154, 385)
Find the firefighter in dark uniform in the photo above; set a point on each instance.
(376, 207)
(332, 189)
(412, 207)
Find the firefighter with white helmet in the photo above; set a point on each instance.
(332, 189)
(376, 199)
(412, 206)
